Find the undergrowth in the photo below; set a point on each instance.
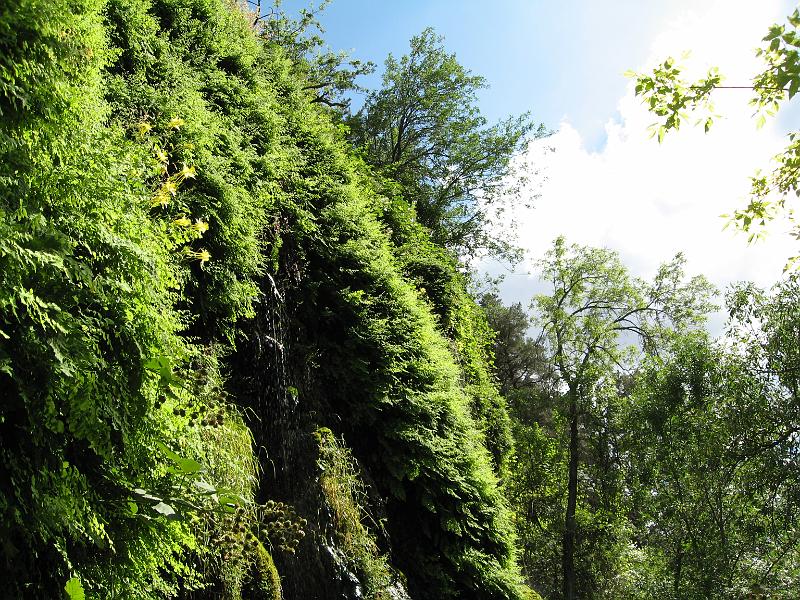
(346, 496)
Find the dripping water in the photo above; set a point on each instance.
(273, 400)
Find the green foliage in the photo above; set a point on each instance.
(201, 69)
(156, 158)
(684, 468)
(669, 97)
(519, 361)
(74, 589)
(537, 471)
(86, 297)
(710, 437)
(266, 584)
(346, 495)
(594, 303)
(386, 365)
(536, 492)
(379, 356)
(436, 276)
(326, 75)
(93, 275)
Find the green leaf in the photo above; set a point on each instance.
(169, 453)
(794, 86)
(188, 465)
(158, 364)
(163, 367)
(145, 495)
(205, 487)
(229, 501)
(166, 510)
(74, 589)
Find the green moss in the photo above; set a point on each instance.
(346, 496)
(266, 584)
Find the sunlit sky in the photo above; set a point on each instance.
(606, 183)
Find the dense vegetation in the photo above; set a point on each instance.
(686, 459)
(240, 357)
(163, 168)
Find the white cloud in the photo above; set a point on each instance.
(649, 200)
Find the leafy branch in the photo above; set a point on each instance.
(670, 97)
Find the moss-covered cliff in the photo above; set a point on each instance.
(197, 275)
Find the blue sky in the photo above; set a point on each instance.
(607, 184)
(555, 59)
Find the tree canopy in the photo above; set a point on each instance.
(424, 130)
(713, 433)
(328, 76)
(593, 324)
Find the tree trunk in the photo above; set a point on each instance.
(568, 546)
(676, 582)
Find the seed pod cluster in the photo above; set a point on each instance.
(236, 535)
(282, 526)
(273, 523)
(215, 419)
(198, 415)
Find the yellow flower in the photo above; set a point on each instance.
(161, 198)
(169, 187)
(182, 222)
(203, 256)
(161, 155)
(164, 193)
(143, 128)
(200, 226)
(176, 123)
(187, 172)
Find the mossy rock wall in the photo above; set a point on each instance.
(273, 272)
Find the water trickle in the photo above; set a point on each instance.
(264, 378)
(274, 287)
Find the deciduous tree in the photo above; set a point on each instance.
(519, 361)
(424, 129)
(329, 76)
(596, 321)
(713, 439)
(672, 99)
